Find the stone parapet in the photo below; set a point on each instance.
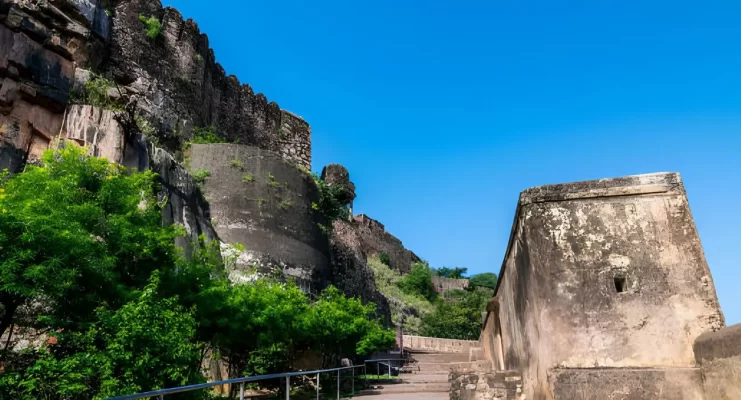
(719, 355)
(484, 384)
(626, 383)
(428, 344)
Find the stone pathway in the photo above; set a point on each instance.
(430, 382)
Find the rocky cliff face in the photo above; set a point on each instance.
(181, 85)
(158, 86)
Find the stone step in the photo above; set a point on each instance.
(407, 388)
(407, 396)
(425, 368)
(440, 357)
(425, 378)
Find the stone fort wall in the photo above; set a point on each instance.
(263, 202)
(375, 240)
(444, 285)
(601, 275)
(47, 49)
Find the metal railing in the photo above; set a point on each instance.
(160, 394)
(380, 362)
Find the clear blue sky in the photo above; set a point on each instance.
(444, 111)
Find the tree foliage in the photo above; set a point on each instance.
(419, 281)
(79, 233)
(486, 280)
(459, 318)
(453, 273)
(345, 326)
(331, 202)
(84, 258)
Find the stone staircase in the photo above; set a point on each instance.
(427, 378)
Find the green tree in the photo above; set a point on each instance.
(486, 280)
(339, 326)
(419, 282)
(146, 344)
(77, 232)
(332, 201)
(459, 318)
(248, 322)
(84, 255)
(385, 258)
(453, 273)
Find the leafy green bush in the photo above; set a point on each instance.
(153, 25)
(329, 204)
(200, 175)
(206, 135)
(385, 258)
(486, 280)
(405, 307)
(419, 282)
(95, 94)
(248, 178)
(342, 325)
(458, 319)
(236, 164)
(453, 273)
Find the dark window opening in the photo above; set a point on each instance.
(621, 284)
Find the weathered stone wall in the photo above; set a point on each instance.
(627, 383)
(719, 355)
(259, 200)
(41, 43)
(607, 273)
(181, 85)
(350, 272)
(444, 285)
(45, 45)
(421, 343)
(479, 382)
(375, 240)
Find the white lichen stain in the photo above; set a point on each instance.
(559, 226)
(617, 260)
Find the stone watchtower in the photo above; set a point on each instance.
(336, 174)
(604, 289)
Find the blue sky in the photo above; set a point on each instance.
(444, 111)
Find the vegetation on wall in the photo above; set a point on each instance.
(330, 204)
(85, 262)
(95, 93)
(153, 26)
(385, 258)
(452, 273)
(206, 135)
(406, 308)
(417, 308)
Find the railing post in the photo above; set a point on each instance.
(389, 361)
(241, 391)
(317, 386)
(353, 381)
(288, 388)
(365, 376)
(338, 384)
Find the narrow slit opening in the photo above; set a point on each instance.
(620, 284)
